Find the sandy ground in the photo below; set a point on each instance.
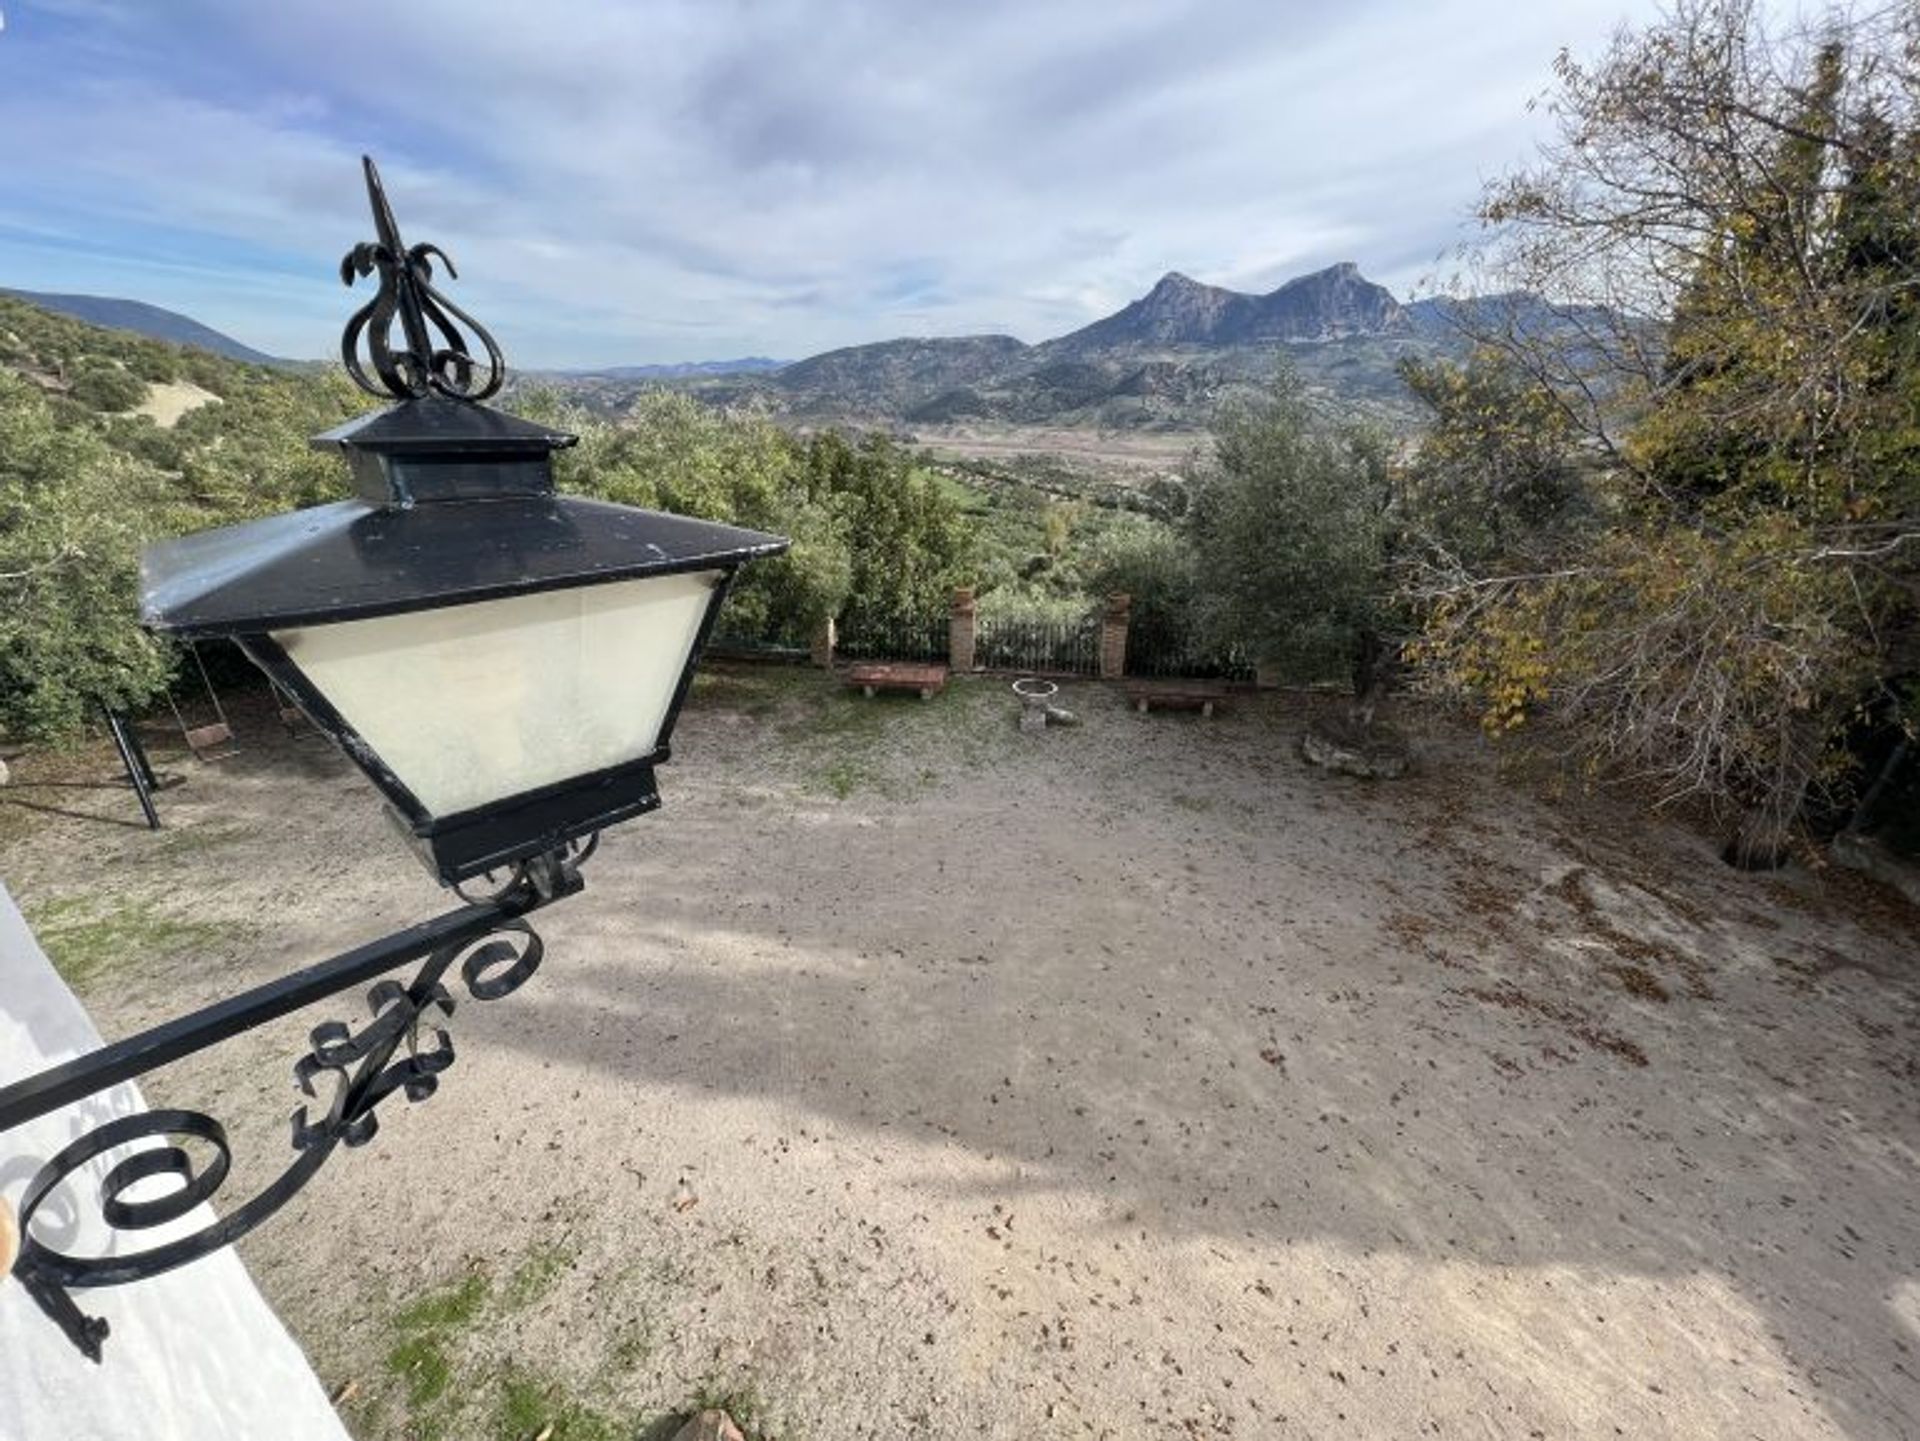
(167, 401)
(908, 1076)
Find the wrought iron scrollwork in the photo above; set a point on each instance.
(418, 366)
(402, 1047)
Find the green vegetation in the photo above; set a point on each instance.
(1723, 595)
(530, 1405)
(875, 535)
(422, 1366)
(429, 1328)
(448, 1308)
(449, 1382)
(1288, 532)
(85, 936)
(83, 487)
(536, 1273)
(1042, 530)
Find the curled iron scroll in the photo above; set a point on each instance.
(434, 355)
(401, 1047)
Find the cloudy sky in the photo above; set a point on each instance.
(650, 181)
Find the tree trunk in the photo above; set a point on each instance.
(1374, 664)
(1762, 841)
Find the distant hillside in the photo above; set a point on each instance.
(894, 376)
(148, 320)
(1163, 363)
(681, 370)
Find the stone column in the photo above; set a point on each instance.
(960, 631)
(1113, 636)
(820, 645)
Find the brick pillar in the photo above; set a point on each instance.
(960, 631)
(1113, 636)
(820, 645)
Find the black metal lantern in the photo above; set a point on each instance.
(504, 662)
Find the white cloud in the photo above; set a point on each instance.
(687, 180)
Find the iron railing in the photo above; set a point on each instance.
(1158, 650)
(913, 638)
(1040, 646)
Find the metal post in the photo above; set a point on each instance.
(139, 772)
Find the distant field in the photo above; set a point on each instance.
(1131, 451)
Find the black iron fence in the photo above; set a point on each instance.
(914, 638)
(782, 642)
(1036, 644)
(1158, 650)
(1031, 644)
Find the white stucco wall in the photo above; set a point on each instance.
(195, 1354)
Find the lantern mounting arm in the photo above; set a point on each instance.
(402, 1046)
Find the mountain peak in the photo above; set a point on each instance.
(1180, 311)
(1173, 282)
(1325, 305)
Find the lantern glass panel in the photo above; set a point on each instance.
(471, 704)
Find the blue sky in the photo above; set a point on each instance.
(625, 183)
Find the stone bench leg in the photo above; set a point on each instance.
(1206, 709)
(867, 691)
(1141, 706)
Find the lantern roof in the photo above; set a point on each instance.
(352, 560)
(433, 424)
(456, 500)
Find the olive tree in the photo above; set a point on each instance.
(1289, 526)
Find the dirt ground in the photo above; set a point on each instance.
(910, 1076)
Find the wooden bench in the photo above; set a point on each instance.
(1202, 696)
(872, 676)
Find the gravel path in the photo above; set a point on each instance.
(908, 1076)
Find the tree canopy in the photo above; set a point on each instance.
(86, 480)
(1750, 585)
(1289, 527)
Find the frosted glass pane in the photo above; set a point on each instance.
(477, 702)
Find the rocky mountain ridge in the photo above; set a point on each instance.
(1162, 362)
(1330, 304)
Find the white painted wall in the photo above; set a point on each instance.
(195, 1354)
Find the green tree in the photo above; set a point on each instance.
(105, 386)
(1289, 529)
(1154, 564)
(1756, 579)
(909, 545)
(71, 511)
(1497, 473)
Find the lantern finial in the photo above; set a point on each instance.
(407, 295)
